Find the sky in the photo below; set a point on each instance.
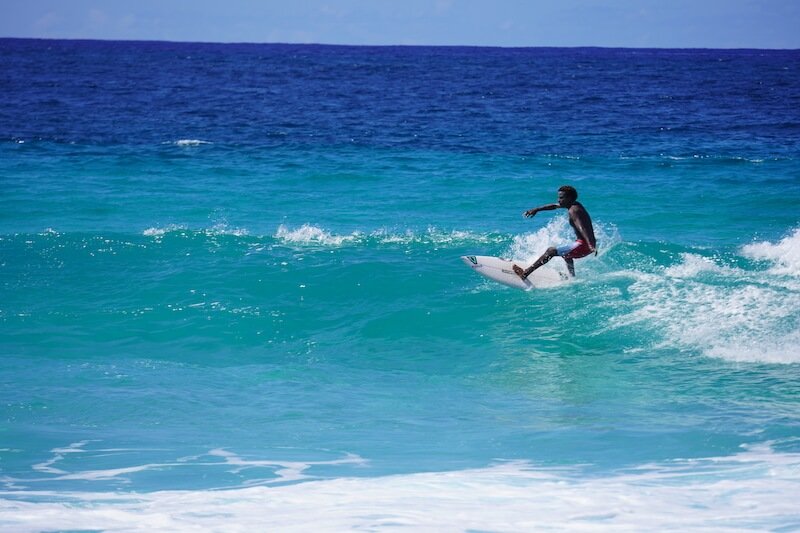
(609, 23)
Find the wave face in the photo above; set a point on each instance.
(235, 297)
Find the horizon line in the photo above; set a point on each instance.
(278, 43)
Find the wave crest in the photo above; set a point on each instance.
(310, 235)
(702, 304)
(784, 255)
(313, 235)
(213, 231)
(190, 142)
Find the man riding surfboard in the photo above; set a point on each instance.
(580, 221)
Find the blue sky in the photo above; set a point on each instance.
(612, 23)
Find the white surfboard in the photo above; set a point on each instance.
(501, 271)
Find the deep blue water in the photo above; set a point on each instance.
(237, 267)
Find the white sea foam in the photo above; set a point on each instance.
(47, 466)
(784, 255)
(755, 489)
(285, 471)
(308, 234)
(281, 471)
(190, 142)
(434, 236)
(529, 246)
(160, 232)
(217, 229)
(718, 310)
(225, 229)
(692, 265)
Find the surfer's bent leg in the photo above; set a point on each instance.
(571, 252)
(547, 256)
(570, 266)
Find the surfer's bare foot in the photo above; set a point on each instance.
(521, 273)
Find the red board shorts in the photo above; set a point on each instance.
(576, 250)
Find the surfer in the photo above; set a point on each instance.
(580, 221)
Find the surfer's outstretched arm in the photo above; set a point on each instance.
(532, 212)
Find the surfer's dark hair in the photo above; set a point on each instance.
(569, 191)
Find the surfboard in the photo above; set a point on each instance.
(501, 271)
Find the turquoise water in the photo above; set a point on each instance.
(209, 322)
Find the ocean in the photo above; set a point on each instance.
(231, 293)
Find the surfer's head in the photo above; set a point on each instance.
(567, 195)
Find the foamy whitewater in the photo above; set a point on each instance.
(724, 494)
(231, 297)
